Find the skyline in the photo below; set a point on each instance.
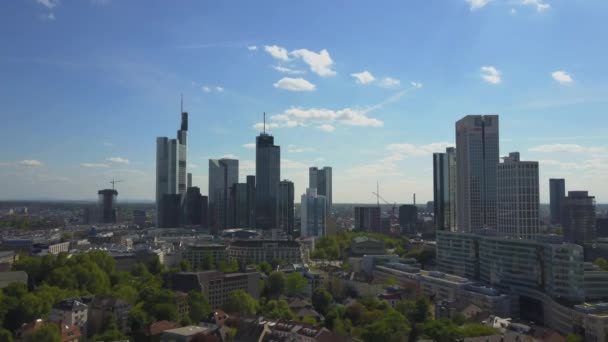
(84, 116)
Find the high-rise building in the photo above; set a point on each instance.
(107, 205)
(408, 219)
(517, 198)
(321, 179)
(239, 208)
(557, 192)
(170, 207)
(314, 214)
(223, 174)
(192, 207)
(171, 162)
(286, 206)
(578, 217)
(477, 149)
(368, 219)
(444, 189)
(251, 201)
(268, 175)
(189, 185)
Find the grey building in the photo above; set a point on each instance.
(193, 207)
(477, 149)
(251, 201)
(239, 206)
(578, 217)
(321, 179)
(268, 175)
(286, 207)
(444, 190)
(107, 205)
(314, 214)
(408, 219)
(557, 192)
(223, 174)
(170, 211)
(368, 219)
(517, 197)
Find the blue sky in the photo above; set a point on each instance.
(370, 88)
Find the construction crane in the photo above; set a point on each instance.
(391, 213)
(114, 182)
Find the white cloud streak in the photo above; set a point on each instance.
(294, 84)
(277, 52)
(539, 4)
(319, 63)
(249, 146)
(363, 77)
(568, 148)
(50, 4)
(477, 4)
(287, 70)
(94, 165)
(389, 82)
(490, 74)
(562, 77)
(118, 160)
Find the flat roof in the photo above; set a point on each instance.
(187, 330)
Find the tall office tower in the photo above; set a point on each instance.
(205, 212)
(286, 206)
(444, 190)
(408, 219)
(107, 205)
(578, 217)
(189, 182)
(517, 198)
(239, 208)
(223, 173)
(368, 219)
(192, 207)
(313, 214)
(557, 192)
(321, 180)
(170, 206)
(251, 201)
(182, 135)
(476, 162)
(268, 175)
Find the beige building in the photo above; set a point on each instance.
(195, 254)
(256, 251)
(216, 286)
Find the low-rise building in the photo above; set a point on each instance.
(196, 254)
(596, 283)
(71, 311)
(102, 308)
(183, 334)
(362, 245)
(7, 258)
(7, 278)
(256, 251)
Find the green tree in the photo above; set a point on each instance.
(602, 263)
(392, 326)
(476, 330)
(46, 333)
(277, 309)
(138, 318)
(275, 283)
(110, 331)
(574, 338)
(199, 306)
(295, 284)
(310, 320)
(184, 266)
(264, 267)
(207, 263)
(440, 330)
(321, 300)
(125, 292)
(240, 302)
(6, 335)
(228, 266)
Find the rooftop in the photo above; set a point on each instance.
(187, 330)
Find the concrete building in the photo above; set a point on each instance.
(223, 174)
(107, 205)
(7, 278)
(72, 311)
(477, 150)
(444, 190)
(368, 219)
(183, 334)
(170, 211)
(256, 251)
(578, 217)
(268, 175)
(557, 191)
(363, 245)
(239, 205)
(196, 254)
(286, 207)
(102, 308)
(408, 219)
(518, 198)
(193, 207)
(596, 281)
(321, 179)
(314, 214)
(251, 201)
(139, 218)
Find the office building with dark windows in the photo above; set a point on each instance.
(444, 190)
(578, 217)
(557, 192)
(107, 205)
(268, 175)
(223, 174)
(286, 207)
(321, 179)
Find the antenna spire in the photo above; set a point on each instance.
(182, 103)
(264, 122)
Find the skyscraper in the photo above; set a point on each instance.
(578, 217)
(321, 179)
(223, 174)
(444, 189)
(368, 219)
(171, 162)
(251, 201)
(477, 148)
(286, 206)
(518, 198)
(107, 205)
(313, 214)
(557, 192)
(268, 175)
(408, 219)
(192, 207)
(239, 209)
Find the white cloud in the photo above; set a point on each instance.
(326, 128)
(319, 63)
(277, 52)
(218, 88)
(389, 82)
(229, 156)
(402, 150)
(513, 11)
(50, 4)
(210, 88)
(249, 146)
(539, 4)
(477, 4)
(206, 89)
(562, 77)
(297, 117)
(490, 74)
(29, 163)
(252, 48)
(94, 165)
(567, 148)
(192, 166)
(294, 84)
(286, 70)
(298, 149)
(118, 160)
(364, 77)
(416, 84)
(51, 16)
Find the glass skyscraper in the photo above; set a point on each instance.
(268, 175)
(557, 192)
(444, 189)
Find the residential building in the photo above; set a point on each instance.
(444, 190)
(286, 207)
(368, 219)
(268, 175)
(71, 311)
(223, 174)
(408, 219)
(256, 251)
(321, 179)
(102, 308)
(517, 198)
(557, 191)
(107, 205)
(313, 216)
(578, 217)
(477, 150)
(363, 245)
(196, 254)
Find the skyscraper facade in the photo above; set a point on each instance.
(182, 139)
(313, 214)
(223, 174)
(239, 208)
(368, 219)
(517, 198)
(557, 192)
(321, 179)
(251, 201)
(408, 219)
(192, 207)
(268, 175)
(477, 149)
(107, 205)
(578, 217)
(444, 190)
(286, 206)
